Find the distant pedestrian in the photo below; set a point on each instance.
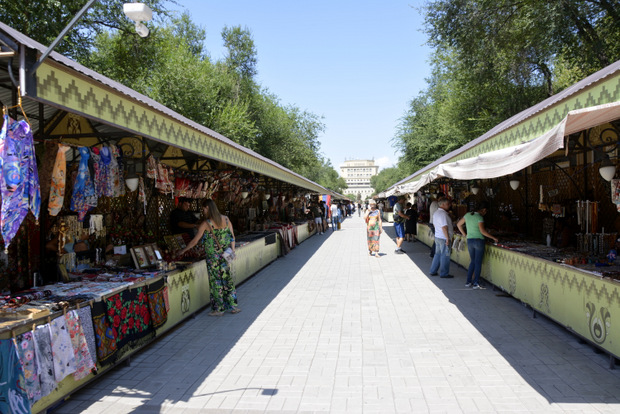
(374, 228)
(443, 237)
(359, 209)
(411, 223)
(474, 222)
(399, 223)
(318, 218)
(335, 216)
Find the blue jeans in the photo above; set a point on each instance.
(441, 260)
(476, 253)
(334, 223)
(400, 230)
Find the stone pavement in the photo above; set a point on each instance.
(329, 329)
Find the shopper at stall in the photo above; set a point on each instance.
(182, 220)
(217, 236)
(374, 228)
(399, 223)
(411, 222)
(476, 232)
(432, 209)
(443, 237)
(335, 216)
(317, 217)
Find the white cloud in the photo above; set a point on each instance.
(384, 162)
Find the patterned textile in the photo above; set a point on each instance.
(86, 320)
(157, 305)
(58, 181)
(13, 396)
(373, 231)
(19, 180)
(45, 359)
(116, 180)
(27, 356)
(223, 291)
(107, 352)
(83, 361)
(84, 197)
(129, 316)
(166, 300)
(47, 167)
(64, 356)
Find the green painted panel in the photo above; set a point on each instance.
(61, 87)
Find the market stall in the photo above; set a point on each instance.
(548, 175)
(106, 167)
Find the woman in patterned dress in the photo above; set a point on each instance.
(374, 228)
(217, 226)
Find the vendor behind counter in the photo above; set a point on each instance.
(182, 220)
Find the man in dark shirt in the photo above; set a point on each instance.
(182, 220)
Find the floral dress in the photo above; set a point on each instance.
(373, 231)
(223, 291)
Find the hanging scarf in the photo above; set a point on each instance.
(142, 194)
(59, 179)
(13, 396)
(84, 197)
(19, 179)
(116, 177)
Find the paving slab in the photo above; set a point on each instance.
(330, 329)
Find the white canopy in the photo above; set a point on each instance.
(512, 159)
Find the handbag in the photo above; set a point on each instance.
(229, 253)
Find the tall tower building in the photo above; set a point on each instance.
(357, 174)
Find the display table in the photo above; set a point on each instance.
(258, 250)
(583, 301)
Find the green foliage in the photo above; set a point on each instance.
(241, 56)
(386, 178)
(329, 178)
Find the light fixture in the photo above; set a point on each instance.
(514, 184)
(244, 194)
(267, 196)
(139, 12)
(607, 170)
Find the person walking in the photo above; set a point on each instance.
(399, 223)
(443, 237)
(334, 215)
(218, 238)
(476, 232)
(432, 209)
(318, 219)
(374, 228)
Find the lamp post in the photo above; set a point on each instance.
(138, 12)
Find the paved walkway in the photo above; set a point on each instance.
(329, 329)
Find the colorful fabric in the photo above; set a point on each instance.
(223, 291)
(157, 305)
(116, 180)
(27, 356)
(83, 361)
(13, 396)
(166, 299)
(47, 167)
(19, 180)
(129, 316)
(107, 351)
(84, 197)
(45, 359)
(58, 181)
(62, 349)
(373, 231)
(86, 321)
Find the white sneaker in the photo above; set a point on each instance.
(467, 284)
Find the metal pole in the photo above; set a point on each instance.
(61, 35)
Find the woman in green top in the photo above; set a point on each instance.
(475, 234)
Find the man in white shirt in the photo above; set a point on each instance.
(432, 209)
(334, 215)
(444, 232)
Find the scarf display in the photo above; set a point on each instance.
(47, 167)
(58, 181)
(62, 349)
(129, 316)
(85, 316)
(45, 359)
(84, 197)
(19, 180)
(83, 360)
(13, 396)
(28, 358)
(107, 351)
(157, 304)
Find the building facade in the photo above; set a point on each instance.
(357, 174)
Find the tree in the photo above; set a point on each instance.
(386, 178)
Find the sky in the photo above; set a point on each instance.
(357, 64)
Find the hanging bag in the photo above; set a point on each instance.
(229, 253)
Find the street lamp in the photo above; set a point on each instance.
(138, 12)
